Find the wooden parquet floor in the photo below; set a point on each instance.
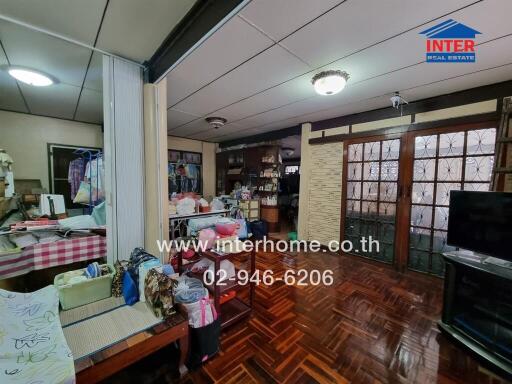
(372, 325)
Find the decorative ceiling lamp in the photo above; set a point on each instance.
(216, 122)
(330, 82)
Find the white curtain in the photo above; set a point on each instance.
(124, 156)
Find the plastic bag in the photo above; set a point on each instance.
(201, 313)
(217, 205)
(87, 196)
(242, 232)
(186, 206)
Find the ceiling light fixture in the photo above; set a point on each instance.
(288, 150)
(216, 122)
(398, 102)
(330, 82)
(30, 76)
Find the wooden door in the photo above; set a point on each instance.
(397, 188)
(371, 185)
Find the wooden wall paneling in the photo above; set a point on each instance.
(404, 202)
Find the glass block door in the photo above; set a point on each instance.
(371, 196)
(443, 162)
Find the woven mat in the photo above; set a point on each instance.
(85, 311)
(92, 328)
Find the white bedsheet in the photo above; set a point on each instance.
(33, 349)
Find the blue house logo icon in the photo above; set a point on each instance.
(450, 42)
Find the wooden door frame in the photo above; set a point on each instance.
(404, 186)
(346, 143)
(49, 147)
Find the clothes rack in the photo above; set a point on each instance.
(89, 155)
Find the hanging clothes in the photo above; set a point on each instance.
(75, 175)
(5, 163)
(95, 175)
(192, 172)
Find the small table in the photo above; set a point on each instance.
(234, 309)
(100, 365)
(175, 221)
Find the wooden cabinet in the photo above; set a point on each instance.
(270, 213)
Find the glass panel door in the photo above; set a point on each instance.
(371, 197)
(444, 162)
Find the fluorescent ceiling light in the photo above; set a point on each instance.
(30, 76)
(329, 82)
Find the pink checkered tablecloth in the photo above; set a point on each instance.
(41, 256)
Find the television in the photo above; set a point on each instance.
(481, 222)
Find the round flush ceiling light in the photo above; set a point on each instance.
(216, 122)
(30, 76)
(329, 82)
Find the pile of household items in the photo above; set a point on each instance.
(189, 202)
(39, 239)
(44, 338)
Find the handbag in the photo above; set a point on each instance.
(83, 196)
(137, 257)
(130, 291)
(158, 293)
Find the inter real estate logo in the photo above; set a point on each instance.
(450, 42)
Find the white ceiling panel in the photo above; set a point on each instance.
(473, 80)
(77, 19)
(177, 118)
(212, 59)
(280, 18)
(208, 133)
(90, 107)
(94, 78)
(350, 108)
(10, 96)
(358, 24)
(384, 53)
(135, 29)
(267, 69)
(289, 92)
(361, 66)
(362, 96)
(58, 100)
(195, 127)
(66, 62)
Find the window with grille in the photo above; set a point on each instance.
(442, 163)
(397, 190)
(372, 182)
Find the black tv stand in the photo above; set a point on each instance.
(477, 309)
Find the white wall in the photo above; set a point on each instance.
(25, 138)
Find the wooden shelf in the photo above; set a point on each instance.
(226, 285)
(233, 311)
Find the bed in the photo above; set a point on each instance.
(33, 349)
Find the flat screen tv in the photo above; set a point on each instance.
(481, 222)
